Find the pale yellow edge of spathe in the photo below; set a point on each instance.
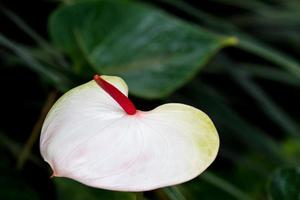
(193, 116)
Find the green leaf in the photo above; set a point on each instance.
(291, 149)
(154, 52)
(69, 189)
(285, 184)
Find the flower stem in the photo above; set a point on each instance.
(25, 153)
(225, 186)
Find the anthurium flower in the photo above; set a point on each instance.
(95, 135)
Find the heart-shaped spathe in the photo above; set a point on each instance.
(88, 137)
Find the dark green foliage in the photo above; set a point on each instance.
(285, 184)
(69, 189)
(130, 43)
(250, 89)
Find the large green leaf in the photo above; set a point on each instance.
(285, 184)
(69, 189)
(154, 52)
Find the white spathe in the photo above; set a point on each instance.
(89, 138)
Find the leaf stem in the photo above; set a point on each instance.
(15, 148)
(246, 42)
(270, 54)
(173, 193)
(224, 185)
(25, 153)
(139, 196)
(275, 113)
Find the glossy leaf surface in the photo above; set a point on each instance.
(154, 52)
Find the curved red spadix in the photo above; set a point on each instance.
(118, 96)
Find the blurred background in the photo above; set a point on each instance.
(238, 61)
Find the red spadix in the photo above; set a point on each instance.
(118, 96)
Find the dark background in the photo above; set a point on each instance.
(23, 94)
